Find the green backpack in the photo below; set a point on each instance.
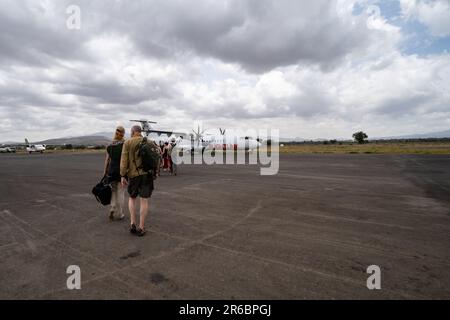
(149, 154)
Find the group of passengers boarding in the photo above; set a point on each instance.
(126, 167)
(167, 163)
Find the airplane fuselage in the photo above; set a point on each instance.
(211, 142)
(35, 148)
(230, 143)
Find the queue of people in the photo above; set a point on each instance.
(167, 156)
(123, 168)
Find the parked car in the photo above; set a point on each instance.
(7, 149)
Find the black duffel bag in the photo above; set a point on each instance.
(102, 192)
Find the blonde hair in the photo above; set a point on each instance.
(119, 134)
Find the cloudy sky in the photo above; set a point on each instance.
(309, 68)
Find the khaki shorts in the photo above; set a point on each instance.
(141, 186)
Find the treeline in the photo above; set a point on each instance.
(75, 147)
(376, 141)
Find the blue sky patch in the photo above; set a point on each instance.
(418, 39)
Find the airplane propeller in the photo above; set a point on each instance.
(198, 135)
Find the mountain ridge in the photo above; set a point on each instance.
(104, 138)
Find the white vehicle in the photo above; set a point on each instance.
(34, 147)
(7, 149)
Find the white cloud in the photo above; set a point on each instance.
(310, 69)
(434, 14)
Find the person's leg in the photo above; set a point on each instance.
(132, 209)
(174, 166)
(143, 212)
(120, 200)
(159, 167)
(114, 190)
(145, 192)
(133, 188)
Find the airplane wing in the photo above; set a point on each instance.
(169, 133)
(143, 121)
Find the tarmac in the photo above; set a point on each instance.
(226, 232)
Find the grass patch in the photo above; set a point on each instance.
(370, 148)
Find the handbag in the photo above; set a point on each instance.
(103, 191)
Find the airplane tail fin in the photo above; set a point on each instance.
(26, 141)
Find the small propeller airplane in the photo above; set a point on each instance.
(199, 140)
(34, 147)
(222, 141)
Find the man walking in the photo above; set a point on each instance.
(139, 181)
(173, 157)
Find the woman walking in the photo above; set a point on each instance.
(112, 173)
(165, 156)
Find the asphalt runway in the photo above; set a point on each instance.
(226, 232)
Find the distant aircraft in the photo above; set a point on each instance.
(146, 127)
(222, 142)
(198, 140)
(34, 147)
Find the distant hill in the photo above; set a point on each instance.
(296, 139)
(104, 138)
(107, 135)
(83, 140)
(10, 143)
(438, 134)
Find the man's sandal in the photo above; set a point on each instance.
(141, 232)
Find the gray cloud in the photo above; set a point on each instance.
(401, 106)
(110, 91)
(172, 59)
(303, 105)
(31, 119)
(282, 33)
(258, 35)
(18, 96)
(31, 36)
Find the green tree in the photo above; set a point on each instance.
(360, 137)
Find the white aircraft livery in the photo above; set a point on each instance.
(201, 141)
(34, 147)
